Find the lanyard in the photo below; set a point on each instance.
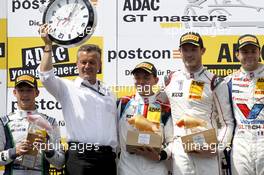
(97, 91)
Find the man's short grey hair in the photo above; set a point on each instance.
(89, 48)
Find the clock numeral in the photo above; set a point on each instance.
(50, 22)
(53, 13)
(85, 16)
(83, 24)
(59, 5)
(80, 34)
(88, 30)
(67, 1)
(69, 36)
(61, 35)
(82, 7)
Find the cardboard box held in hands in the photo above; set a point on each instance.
(193, 141)
(138, 139)
(29, 159)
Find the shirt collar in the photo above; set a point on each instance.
(255, 73)
(193, 75)
(98, 87)
(78, 82)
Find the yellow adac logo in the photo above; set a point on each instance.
(154, 113)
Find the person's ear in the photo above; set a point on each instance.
(203, 50)
(37, 92)
(237, 55)
(14, 92)
(156, 80)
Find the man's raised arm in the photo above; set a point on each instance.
(46, 61)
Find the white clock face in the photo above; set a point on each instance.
(69, 19)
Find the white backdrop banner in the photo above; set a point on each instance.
(149, 30)
(3, 92)
(3, 8)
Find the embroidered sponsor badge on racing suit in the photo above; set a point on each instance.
(154, 113)
(196, 90)
(259, 87)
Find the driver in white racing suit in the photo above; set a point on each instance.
(197, 93)
(246, 87)
(14, 130)
(145, 103)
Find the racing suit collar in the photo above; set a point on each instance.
(253, 74)
(145, 99)
(194, 75)
(24, 113)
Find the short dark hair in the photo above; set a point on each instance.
(90, 48)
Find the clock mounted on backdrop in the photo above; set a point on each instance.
(71, 22)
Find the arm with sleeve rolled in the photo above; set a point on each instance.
(53, 84)
(46, 61)
(55, 153)
(224, 110)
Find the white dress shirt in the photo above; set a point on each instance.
(89, 110)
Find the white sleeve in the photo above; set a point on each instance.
(54, 85)
(224, 110)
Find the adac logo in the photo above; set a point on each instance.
(152, 109)
(250, 114)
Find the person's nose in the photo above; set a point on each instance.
(189, 54)
(140, 81)
(87, 65)
(251, 55)
(24, 94)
